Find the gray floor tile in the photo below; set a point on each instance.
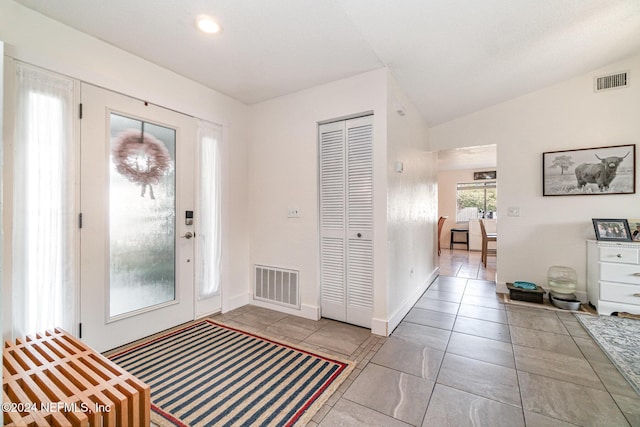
(242, 326)
(481, 288)
(456, 287)
(434, 319)
(482, 301)
(437, 305)
(259, 318)
(556, 365)
(534, 419)
(339, 337)
(566, 315)
(630, 407)
(483, 313)
(449, 281)
(423, 335)
(409, 358)
(482, 328)
(471, 272)
(456, 408)
(444, 296)
(531, 309)
(481, 378)
(482, 282)
(391, 392)
(542, 340)
(449, 270)
(590, 349)
(296, 328)
(569, 402)
(575, 329)
(612, 379)
(541, 323)
(485, 349)
(346, 413)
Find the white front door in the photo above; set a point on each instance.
(137, 194)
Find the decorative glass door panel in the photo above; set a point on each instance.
(142, 212)
(136, 188)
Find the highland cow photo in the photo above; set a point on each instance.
(589, 171)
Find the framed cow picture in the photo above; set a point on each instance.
(589, 171)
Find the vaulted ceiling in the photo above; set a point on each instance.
(451, 57)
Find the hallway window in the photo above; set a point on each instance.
(476, 200)
(208, 212)
(44, 208)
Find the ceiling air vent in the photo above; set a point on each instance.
(612, 81)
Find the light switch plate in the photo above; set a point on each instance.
(293, 213)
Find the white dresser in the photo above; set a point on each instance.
(613, 276)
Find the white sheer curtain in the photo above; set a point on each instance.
(44, 220)
(208, 212)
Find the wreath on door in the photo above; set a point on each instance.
(141, 158)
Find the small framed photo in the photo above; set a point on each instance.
(612, 229)
(484, 175)
(634, 226)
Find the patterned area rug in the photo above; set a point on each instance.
(619, 338)
(209, 374)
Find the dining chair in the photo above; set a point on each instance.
(440, 224)
(486, 238)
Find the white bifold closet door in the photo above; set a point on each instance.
(346, 220)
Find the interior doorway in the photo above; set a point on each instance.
(467, 192)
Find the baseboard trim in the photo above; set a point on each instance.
(311, 312)
(236, 302)
(385, 327)
(501, 288)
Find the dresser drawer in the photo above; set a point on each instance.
(628, 294)
(620, 255)
(624, 273)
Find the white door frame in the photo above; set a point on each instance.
(98, 330)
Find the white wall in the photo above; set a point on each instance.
(284, 173)
(411, 209)
(33, 38)
(550, 230)
(283, 165)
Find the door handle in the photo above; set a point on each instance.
(188, 235)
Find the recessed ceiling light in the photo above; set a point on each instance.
(208, 25)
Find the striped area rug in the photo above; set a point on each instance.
(208, 374)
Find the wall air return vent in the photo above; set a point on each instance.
(611, 81)
(277, 285)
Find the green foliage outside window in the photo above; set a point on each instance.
(476, 200)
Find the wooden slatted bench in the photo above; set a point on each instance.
(53, 379)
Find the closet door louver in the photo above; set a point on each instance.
(346, 220)
(332, 220)
(359, 221)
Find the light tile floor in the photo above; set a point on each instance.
(463, 263)
(462, 358)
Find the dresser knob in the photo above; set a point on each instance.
(636, 274)
(636, 295)
(619, 255)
